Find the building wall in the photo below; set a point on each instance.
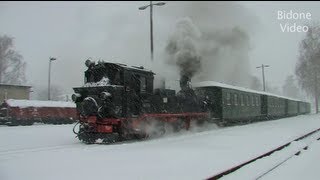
(14, 92)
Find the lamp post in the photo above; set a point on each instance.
(50, 60)
(151, 22)
(262, 67)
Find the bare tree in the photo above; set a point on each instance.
(308, 66)
(290, 88)
(12, 68)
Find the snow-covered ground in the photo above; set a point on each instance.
(52, 152)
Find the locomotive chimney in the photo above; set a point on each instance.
(184, 82)
(163, 83)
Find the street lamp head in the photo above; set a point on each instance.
(160, 4)
(53, 59)
(143, 7)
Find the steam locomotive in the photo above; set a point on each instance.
(118, 102)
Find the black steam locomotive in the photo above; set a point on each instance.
(119, 102)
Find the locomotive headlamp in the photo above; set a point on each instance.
(75, 97)
(105, 95)
(88, 62)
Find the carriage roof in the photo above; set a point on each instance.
(228, 86)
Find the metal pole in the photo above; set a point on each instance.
(263, 78)
(264, 84)
(49, 79)
(316, 92)
(50, 59)
(151, 30)
(5, 94)
(151, 22)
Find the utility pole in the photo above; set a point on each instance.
(50, 59)
(263, 79)
(316, 92)
(151, 22)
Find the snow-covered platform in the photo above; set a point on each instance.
(52, 152)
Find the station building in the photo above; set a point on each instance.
(8, 91)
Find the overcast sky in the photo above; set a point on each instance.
(119, 32)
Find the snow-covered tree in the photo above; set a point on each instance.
(12, 68)
(308, 66)
(289, 88)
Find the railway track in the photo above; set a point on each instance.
(17, 151)
(4, 153)
(277, 157)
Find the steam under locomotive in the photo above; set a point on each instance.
(119, 102)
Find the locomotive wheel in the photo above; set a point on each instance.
(111, 138)
(140, 136)
(87, 138)
(200, 122)
(178, 125)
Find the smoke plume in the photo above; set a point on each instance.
(183, 49)
(212, 43)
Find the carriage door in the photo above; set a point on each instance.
(264, 105)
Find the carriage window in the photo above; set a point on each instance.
(228, 99)
(235, 99)
(118, 78)
(252, 102)
(248, 100)
(143, 84)
(257, 102)
(242, 101)
(272, 103)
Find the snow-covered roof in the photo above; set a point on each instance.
(36, 103)
(218, 84)
(141, 68)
